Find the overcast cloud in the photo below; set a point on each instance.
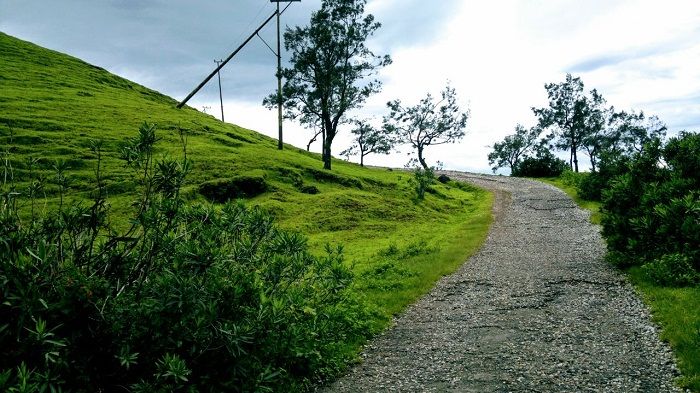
(642, 55)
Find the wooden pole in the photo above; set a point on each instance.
(208, 78)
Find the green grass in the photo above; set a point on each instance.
(676, 310)
(52, 106)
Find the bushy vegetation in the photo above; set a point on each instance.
(423, 179)
(189, 298)
(652, 210)
(543, 164)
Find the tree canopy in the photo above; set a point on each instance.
(428, 123)
(571, 115)
(369, 139)
(330, 65)
(512, 149)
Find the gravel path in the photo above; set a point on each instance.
(535, 310)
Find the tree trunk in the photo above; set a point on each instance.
(573, 152)
(421, 159)
(327, 156)
(327, 142)
(362, 159)
(571, 159)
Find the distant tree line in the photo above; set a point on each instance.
(575, 122)
(649, 186)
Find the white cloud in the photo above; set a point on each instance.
(640, 54)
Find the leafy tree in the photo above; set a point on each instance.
(625, 135)
(428, 123)
(572, 114)
(368, 140)
(593, 125)
(630, 131)
(510, 151)
(329, 66)
(542, 164)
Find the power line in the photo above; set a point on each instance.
(222, 63)
(220, 66)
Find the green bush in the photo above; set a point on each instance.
(422, 180)
(672, 270)
(652, 208)
(189, 298)
(611, 164)
(223, 190)
(544, 164)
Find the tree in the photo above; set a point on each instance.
(329, 65)
(428, 123)
(572, 114)
(543, 164)
(593, 120)
(510, 151)
(368, 140)
(630, 131)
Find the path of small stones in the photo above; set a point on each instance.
(535, 310)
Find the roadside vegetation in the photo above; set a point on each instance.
(147, 248)
(644, 191)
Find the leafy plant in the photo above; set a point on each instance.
(423, 179)
(186, 298)
(510, 151)
(368, 140)
(543, 164)
(652, 211)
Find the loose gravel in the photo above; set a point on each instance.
(537, 309)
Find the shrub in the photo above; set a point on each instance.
(544, 164)
(223, 190)
(611, 165)
(672, 270)
(652, 211)
(309, 189)
(423, 179)
(444, 179)
(188, 298)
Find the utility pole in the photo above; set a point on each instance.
(221, 64)
(279, 80)
(221, 97)
(208, 78)
(279, 70)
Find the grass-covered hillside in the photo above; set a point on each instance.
(53, 107)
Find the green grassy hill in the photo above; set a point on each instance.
(53, 106)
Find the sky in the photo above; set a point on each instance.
(498, 55)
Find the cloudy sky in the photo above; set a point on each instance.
(642, 55)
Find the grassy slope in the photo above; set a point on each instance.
(676, 310)
(52, 106)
